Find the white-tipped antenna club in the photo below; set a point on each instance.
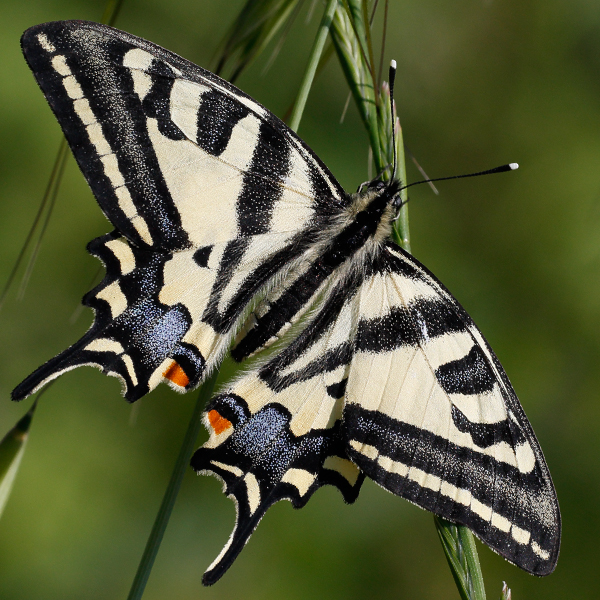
(392, 79)
(500, 169)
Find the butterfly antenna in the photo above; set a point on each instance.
(500, 169)
(392, 79)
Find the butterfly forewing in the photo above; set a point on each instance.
(186, 167)
(431, 416)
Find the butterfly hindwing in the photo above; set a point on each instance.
(276, 433)
(137, 335)
(188, 168)
(261, 460)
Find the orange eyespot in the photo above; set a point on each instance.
(217, 422)
(177, 375)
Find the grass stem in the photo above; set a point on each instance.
(313, 63)
(166, 507)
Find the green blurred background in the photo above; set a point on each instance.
(480, 83)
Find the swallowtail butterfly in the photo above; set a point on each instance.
(229, 231)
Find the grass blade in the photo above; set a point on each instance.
(166, 508)
(313, 63)
(12, 448)
(459, 547)
(346, 33)
(111, 11)
(46, 206)
(256, 25)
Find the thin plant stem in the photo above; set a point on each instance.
(166, 507)
(369, 41)
(313, 63)
(51, 189)
(385, 20)
(111, 11)
(460, 551)
(356, 15)
(49, 202)
(348, 36)
(472, 560)
(401, 229)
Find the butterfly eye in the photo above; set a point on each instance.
(376, 185)
(397, 201)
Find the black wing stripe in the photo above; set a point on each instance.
(217, 116)
(156, 103)
(468, 375)
(225, 305)
(270, 164)
(396, 329)
(426, 468)
(84, 63)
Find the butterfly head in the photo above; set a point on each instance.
(373, 210)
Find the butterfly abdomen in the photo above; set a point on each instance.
(366, 226)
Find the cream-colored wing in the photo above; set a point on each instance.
(214, 200)
(431, 416)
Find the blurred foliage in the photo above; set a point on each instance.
(478, 84)
(257, 23)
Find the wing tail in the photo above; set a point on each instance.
(261, 459)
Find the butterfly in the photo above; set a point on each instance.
(230, 234)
